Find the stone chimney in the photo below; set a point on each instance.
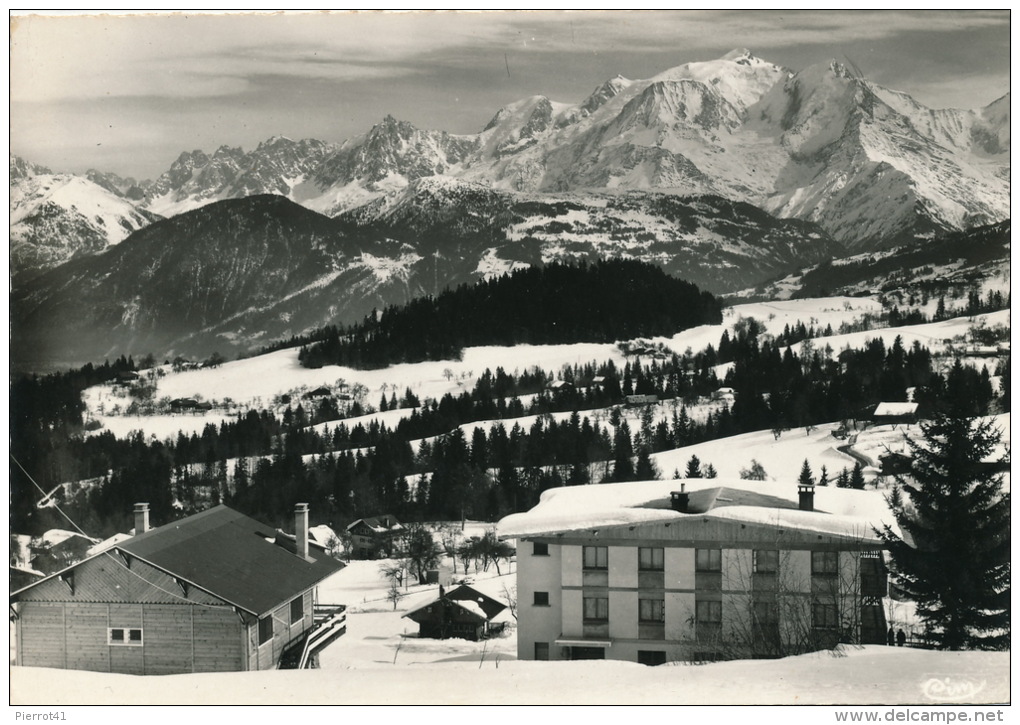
(806, 493)
(301, 530)
(680, 500)
(141, 518)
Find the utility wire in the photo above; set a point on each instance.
(44, 493)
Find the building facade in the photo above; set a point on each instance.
(738, 574)
(215, 592)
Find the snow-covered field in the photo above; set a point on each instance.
(872, 675)
(257, 381)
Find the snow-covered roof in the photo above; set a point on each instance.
(57, 536)
(107, 544)
(893, 409)
(322, 534)
(837, 511)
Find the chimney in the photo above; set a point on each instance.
(680, 500)
(806, 493)
(301, 529)
(141, 518)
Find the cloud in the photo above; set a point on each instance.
(187, 55)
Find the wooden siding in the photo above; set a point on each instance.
(176, 638)
(266, 656)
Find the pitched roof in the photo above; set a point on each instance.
(892, 409)
(378, 524)
(232, 556)
(467, 598)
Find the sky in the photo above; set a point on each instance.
(128, 94)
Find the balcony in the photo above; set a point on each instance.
(329, 623)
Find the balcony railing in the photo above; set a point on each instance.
(329, 622)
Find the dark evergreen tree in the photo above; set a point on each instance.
(857, 477)
(952, 553)
(806, 478)
(693, 468)
(823, 477)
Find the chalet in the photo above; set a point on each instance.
(633, 400)
(725, 395)
(894, 413)
(560, 386)
(720, 569)
(462, 612)
(214, 592)
(128, 376)
(374, 537)
(58, 548)
(179, 405)
(318, 394)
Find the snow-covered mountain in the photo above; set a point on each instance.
(238, 274)
(277, 166)
(57, 217)
(872, 166)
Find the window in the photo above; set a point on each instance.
(708, 560)
(651, 657)
(650, 558)
(540, 549)
(708, 612)
(766, 561)
(596, 557)
(596, 609)
(541, 650)
(265, 629)
(823, 616)
(297, 610)
(824, 563)
(651, 610)
(124, 637)
(541, 599)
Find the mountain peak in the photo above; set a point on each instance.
(738, 54)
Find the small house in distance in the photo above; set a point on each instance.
(462, 612)
(57, 549)
(894, 413)
(633, 400)
(318, 394)
(372, 537)
(215, 592)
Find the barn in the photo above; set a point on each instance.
(214, 592)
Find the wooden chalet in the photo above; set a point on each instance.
(373, 537)
(318, 394)
(214, 592)
(462, 612)
(56, 549)
(894, 413)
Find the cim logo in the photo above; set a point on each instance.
(946, 689)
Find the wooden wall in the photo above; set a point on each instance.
(175, 638)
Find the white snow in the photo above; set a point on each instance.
(837, 511)
(871, 675)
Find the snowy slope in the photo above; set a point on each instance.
(56, 217)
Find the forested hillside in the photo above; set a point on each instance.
(600, 302)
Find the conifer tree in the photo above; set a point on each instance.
(806, 478)
(952, 554)
(693, 468)
(823, 477)
(843, 479)
(857, 477)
